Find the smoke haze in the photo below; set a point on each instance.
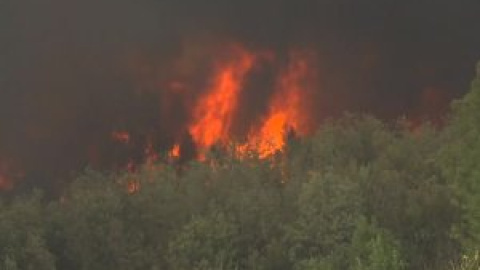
(72, 72)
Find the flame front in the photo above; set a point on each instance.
(288, 109)
(213, 113)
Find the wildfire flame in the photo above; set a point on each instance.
(288, 109)
(174, 153)
(209, 115)
(214, 112)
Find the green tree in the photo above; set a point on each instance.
(460, 158)
(374, 248)
(87, 226)
(207, 242)
(407, 194)
(23, 242)
(328, 207)
(468, 262)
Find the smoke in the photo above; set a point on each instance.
(72, 72)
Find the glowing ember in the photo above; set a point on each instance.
(174, 153)
(213, 113)
(133, 186)
(121, 136)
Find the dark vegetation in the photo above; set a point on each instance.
(359, 194)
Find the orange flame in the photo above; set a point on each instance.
(213, 113)
(133, 186)
(174, 153)
(215, 109)
(287, 110)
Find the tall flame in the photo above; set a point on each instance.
(288, 109)
(213, 113)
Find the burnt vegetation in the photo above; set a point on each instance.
(359, 194)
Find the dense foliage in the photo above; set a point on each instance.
(357, 195)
